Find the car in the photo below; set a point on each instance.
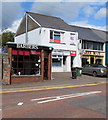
(95, 70)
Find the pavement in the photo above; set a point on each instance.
(59, 80)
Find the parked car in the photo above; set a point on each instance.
(95, 70)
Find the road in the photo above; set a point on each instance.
(73, 102)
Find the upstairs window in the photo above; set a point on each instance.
(55, 36)
(97, 46)
(72, 39)
(92, 45)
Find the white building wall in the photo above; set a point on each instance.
(68, 63)
(20, 38)
(45, 40)
(34, 37)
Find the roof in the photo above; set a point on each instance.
(90, 34)
(57, 23)
(50, 21)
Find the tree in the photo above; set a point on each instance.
(7, 37)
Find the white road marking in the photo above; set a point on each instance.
(55, 98)
(20, 103)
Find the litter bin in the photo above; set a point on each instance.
(79, 71)
(74, 72)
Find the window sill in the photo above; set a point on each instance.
(25, 75)
(56, 66)
(57, 43)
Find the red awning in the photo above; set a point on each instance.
(20, 52)
(38, 53)
(14, 52)
(26, 52)
(33, 52)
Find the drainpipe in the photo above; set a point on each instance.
(26, 38)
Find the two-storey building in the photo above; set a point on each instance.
(92, 45)
(53, 32)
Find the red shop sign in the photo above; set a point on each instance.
(38, 53)
(73, 53)
(33, 52)
(26, 52)
(20, 52)
(14, 52)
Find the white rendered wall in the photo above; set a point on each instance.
(34, 37)
(68, 63)
(57, 69)
(20, 38)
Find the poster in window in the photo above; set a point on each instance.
(72, 39)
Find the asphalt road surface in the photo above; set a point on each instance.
(75, 102)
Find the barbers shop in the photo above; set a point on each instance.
(27, 63)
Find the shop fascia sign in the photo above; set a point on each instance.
(27, 46)
(92, 53)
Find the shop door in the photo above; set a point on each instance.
(45, 68)
(64, 64)
(92, 60)
(72, 58)
(98, 61)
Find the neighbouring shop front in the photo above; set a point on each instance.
(91, 57)
(63, 60)
(28, 63)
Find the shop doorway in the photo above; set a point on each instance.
(98, 61)
(64, 64)
(84, 61)
(45, 68)
(72, 58)
(92, 60)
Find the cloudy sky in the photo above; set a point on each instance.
(86, 13)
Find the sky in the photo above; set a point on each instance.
(84, 13)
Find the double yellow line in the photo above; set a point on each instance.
(48, 88)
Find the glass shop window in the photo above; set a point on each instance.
(26, 64)
(57, 62)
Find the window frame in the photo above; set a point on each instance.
(55, 34)
(30, 62)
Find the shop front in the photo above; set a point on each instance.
(92, 58)
(63, 60)
(28, 63)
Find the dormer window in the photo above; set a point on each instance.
(55, 36)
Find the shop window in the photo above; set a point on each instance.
(84, 44)
(26, 64)
(57, 62)
(97, 46)
(89, 45)
(92, 45)
(55, 36)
